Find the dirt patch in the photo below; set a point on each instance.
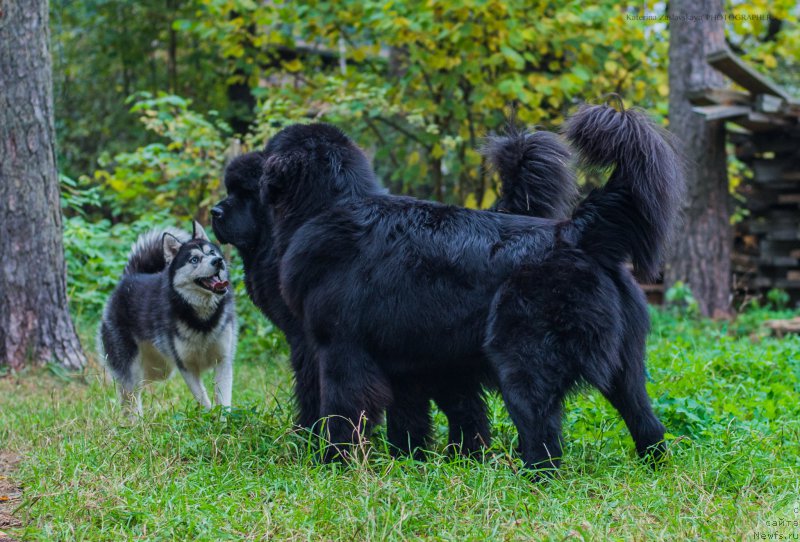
(10, 494)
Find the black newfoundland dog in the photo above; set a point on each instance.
(536, 181)
(391, 288)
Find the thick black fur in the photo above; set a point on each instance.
(536, 180)
(242, 220)
(391, 287)
(532, 167)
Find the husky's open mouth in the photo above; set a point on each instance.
(213, 284)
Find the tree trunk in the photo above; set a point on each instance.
(701, 253)
(35, 325)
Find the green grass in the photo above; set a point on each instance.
(728, 397)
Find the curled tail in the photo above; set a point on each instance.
(535, 177)
(633, 214)
(147, 253)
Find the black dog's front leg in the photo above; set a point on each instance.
(354, 394)
(306, 382)
(464, 404)
(408, 419)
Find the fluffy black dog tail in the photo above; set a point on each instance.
(631, 217)
(534, 175)
(147, 253)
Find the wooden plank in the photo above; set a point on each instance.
(788, 284)
(767, 103)
(779, 261)
(791, 176)
(777, 143)
(776, 247)
(761, 122)
(719, 96)
(765, 170)
(788, 198)
(719, 112)
(789, 234)
(762, 282)
(782, 327)
(725, 61)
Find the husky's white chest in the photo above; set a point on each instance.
(200, 351)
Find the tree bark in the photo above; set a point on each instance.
(701, 253)
(35, 325)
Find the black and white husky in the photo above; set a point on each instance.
(172, 308)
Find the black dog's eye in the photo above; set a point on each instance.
(194, 259)
(212, 253)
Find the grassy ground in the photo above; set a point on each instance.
(728, 397)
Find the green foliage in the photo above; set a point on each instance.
(96, 253)
(420, 82)
(180, 173)
(680, 297)
(106, 50)
(778, 299)
(771, 45)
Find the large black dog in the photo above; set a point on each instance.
(391, 287)
(535, 181)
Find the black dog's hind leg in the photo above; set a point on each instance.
(464, 404)
(626, 390)
(533, 381)
(354, 394)
(306, 381)
(408, 419)
(551, 326)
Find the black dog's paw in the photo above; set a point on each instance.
(655, 456)
(541, 473)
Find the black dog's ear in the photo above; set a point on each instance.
(171, 246)
(244, 171)
(281, 170)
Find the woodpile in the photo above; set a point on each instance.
(764, 125)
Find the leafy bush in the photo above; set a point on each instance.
(179, 174)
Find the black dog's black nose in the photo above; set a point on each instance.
(216, 212)
(218, 263)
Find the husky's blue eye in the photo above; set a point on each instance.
(194, 259)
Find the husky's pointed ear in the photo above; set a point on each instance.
(198, 232)
(171, 246)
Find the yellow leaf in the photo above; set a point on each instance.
(293, 65)
(663, 89)
(437, 151)
(489, 198)
(770, 62)
(470, 202)
(117, 185)
(413, 158)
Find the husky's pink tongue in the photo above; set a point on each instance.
(219, 285)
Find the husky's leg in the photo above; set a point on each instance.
(129, 388)
(130, 397)
(223, 372)
(196, 386)
(223, 382)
